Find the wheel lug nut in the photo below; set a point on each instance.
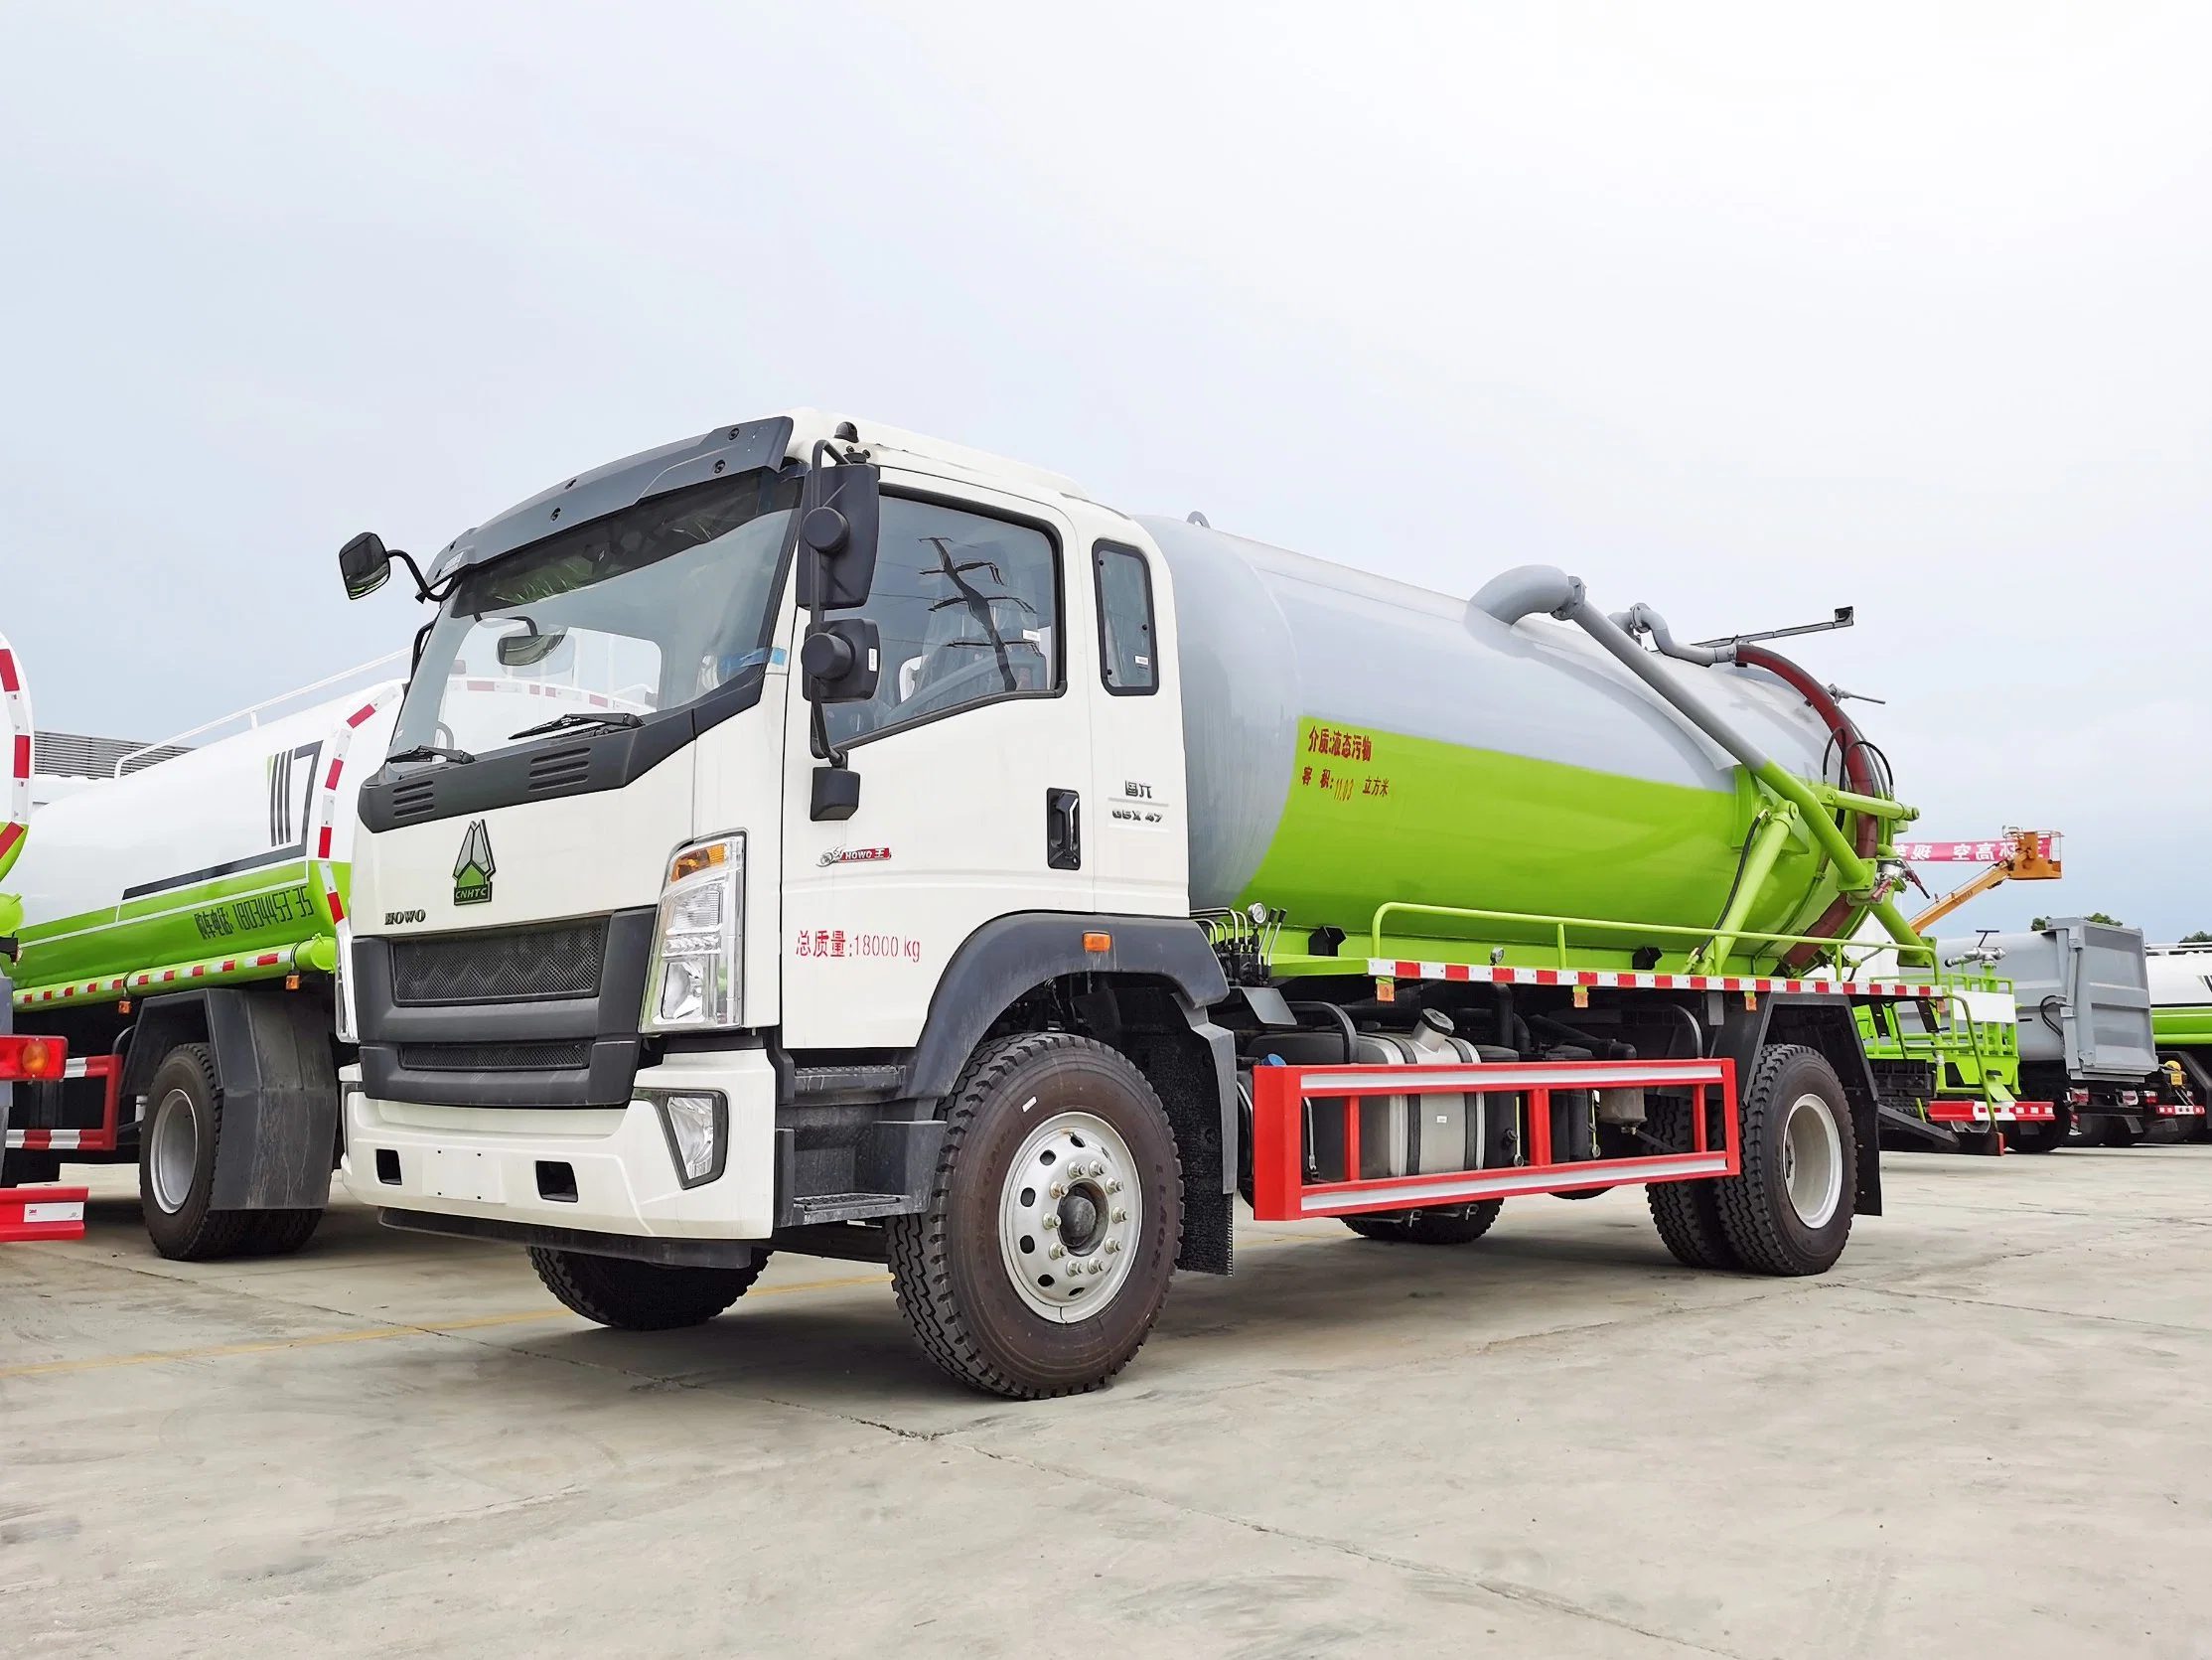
(1057, 1251)
(1052, 1222)
(1112, 1245)
(1057, 1190)
(1113, 1187)
(1094, 1267)
(1120, 1215)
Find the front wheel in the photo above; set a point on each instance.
(1044, 1254)
(642, 1297)
(1788, 1211)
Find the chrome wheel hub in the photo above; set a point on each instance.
(1813, 1160)
(1070, 1216)
(172, 1150)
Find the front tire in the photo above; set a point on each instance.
(1053, 1222)
(631, 1295)
(1790, 1210)
(1430, 1225)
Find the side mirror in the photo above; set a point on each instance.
(840, 661)
(364, 563)
(839, 517)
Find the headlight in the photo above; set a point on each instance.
(697, 1125)
(697, 978)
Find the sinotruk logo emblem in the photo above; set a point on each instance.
(472, 870)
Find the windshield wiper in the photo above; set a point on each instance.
(605, 717)
(430, 752)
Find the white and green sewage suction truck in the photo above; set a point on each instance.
(814, 837)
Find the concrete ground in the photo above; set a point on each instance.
(1987, 1433)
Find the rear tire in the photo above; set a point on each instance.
(177, 1149)
(2039, 1138)
(23, 1169)
(1430, 1225)
(1687, 1213)
(1058, 1181)
(642, 1297)
(1790, 1210)
(1688, 1216)
(279, 1233)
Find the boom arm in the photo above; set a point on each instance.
(2029, 857)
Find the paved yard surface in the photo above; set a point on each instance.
(1987, 1433)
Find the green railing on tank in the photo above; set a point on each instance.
(1832, 951)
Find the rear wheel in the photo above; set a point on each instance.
(1044, 1254)
(23, 1169)
(1687, 1213)
(1790, 1210)
(642, 1297)
(177, 1161)
(279, 1233)
(1430, 1225)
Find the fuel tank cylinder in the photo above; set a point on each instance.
(1352, 741)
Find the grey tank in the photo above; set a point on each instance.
(1267, 637)
(2084, 994)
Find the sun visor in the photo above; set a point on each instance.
(722, 453)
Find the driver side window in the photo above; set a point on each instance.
(969, 608)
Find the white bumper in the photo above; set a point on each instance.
(484, 1162)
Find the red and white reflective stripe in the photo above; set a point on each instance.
(1384, 968)
(1987, 851)
(15, 764)
(1979, 1112)
(323, 831)
(123, 985)
(29, 1213)
(57, 1140)
(2182, 1110)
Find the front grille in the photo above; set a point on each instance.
(510, 965)
(494, 1057)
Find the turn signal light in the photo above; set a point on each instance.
(32, 1060)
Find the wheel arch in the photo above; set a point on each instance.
(278, 1081)
(1821, 1022)
(1147, 994)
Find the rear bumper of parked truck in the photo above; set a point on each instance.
(590, 1178)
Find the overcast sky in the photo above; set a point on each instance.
(1742, 315)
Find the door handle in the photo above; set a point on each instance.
(1062, 829)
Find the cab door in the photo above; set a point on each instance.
(974, 759)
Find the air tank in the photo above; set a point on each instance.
(225, 854)
(1353, 741)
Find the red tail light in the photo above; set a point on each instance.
(32, 1059)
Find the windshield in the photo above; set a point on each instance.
(647, 609)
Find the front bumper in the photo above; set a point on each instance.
(506, 1164)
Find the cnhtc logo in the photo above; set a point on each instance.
(472, 870)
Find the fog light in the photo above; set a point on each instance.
(696, 1127)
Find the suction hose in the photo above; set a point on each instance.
(1530, 589)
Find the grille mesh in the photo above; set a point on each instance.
(562, 961)
(494, 1057)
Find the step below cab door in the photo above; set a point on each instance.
(974, 760)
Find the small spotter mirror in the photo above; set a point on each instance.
(364, 563)
(526, 651)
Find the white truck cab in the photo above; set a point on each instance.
(619, 978)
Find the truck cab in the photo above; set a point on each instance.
(619, 972)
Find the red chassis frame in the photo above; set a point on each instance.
(1281, 1192)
